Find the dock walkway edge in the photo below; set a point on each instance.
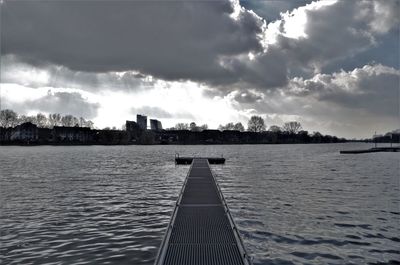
(162, 252)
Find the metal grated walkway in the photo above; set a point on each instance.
(201, 231)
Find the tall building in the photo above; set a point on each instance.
(141, 120)
(155, 125)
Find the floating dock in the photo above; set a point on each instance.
(371, 150)
(186, 160)
(201, 230)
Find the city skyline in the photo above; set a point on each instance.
(331, 65)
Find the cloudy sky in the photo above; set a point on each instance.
(332, 65)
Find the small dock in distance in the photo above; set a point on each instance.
(187, 160)
(201, 230)
(372, 150)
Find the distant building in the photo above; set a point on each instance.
(155, 125)
(24, 132)
(131, 126)
(133, 130)
(141, 120)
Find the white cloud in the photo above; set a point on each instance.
(162, 38)
(351, 104)
(15, 71)
(383, 15)
(326, 32)
(26, 100)
(373, 88)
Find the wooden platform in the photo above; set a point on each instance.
(201, 230)
(371, 150)
(186, 160)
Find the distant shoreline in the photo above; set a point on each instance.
(132, 144)
(28, 134)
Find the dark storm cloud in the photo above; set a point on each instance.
(386, 52)
(58, 102)
(205, 41)
(171, 40)
(267, 70)
(334, 34)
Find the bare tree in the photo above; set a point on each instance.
(239, 127)
(275, 128)
(231, 127)
(292, 127)
(55, 119)
(82, 122)
(89, 124)
(8, 118)
(67, 120)
(41, 120)
(193, 127)
(181, 126)
(203, 127)
(227, 127)
(256, 124)
(75, 121)
(24, 118)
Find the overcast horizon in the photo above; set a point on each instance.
(333, 66)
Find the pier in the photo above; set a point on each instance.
(201, 230)
(187, 160)
(372, 150)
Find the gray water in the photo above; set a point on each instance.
(293, 204)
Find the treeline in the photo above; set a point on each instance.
(9, 119)
(235, 133)
(182, 133)
(255, 124)
(189, 126)
(230, 126)
(246, 137)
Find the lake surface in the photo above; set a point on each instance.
(293, 204)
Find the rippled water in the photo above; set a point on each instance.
(293, 204)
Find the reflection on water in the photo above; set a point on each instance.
(294, 204)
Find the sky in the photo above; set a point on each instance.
(331, 65)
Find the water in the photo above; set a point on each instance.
(293, 204)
